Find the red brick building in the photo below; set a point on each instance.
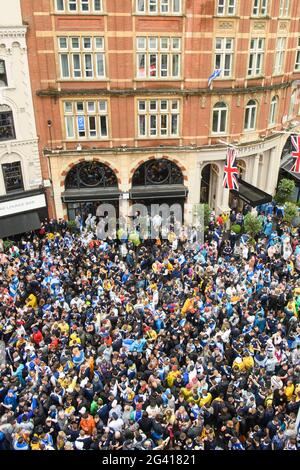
(123, 106)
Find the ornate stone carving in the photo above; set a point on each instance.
(283, 26)
(260, 25)
(9, 36)
(225, 25)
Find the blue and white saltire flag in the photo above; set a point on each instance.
(48, 251)
(13, 287)
(47, 280)
(214, 75)
(55, 285)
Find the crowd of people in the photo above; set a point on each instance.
(167, 344)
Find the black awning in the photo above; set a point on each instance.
(86, 195)
(20, 223)
(159, 191)
(251, 194)
(287, 164)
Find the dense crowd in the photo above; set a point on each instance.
(165, 344)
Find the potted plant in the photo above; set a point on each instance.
(252, 226)
(284, 191)
(290, 211)
(72, 225)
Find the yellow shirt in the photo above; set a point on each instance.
(248, 362)
(31, 301)
(171, 377)
(64, 327)
(187, 305)
(289, 390)
(152, 334)
(269, 400)
(205, 400)
(239, 364)
(186, 392)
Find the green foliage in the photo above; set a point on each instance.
(252, 224)
(284, 191)
(207, 213)
(236, 228)
(134, 238)
(72, 225)
(290, 211)
(7, 244)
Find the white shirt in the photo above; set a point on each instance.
(116, 424)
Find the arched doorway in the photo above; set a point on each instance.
(158, 181)
(87, 186)
(209, 185)
(286, 166)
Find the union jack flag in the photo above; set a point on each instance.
(231, 171)
(296, 154)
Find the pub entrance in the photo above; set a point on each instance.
(88, 186)
(158, 182)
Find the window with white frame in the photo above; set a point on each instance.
(3, 75)
(158, 7)
(81, 58)
(7, 127)
(297, 64)
(256, 57)
(158, 57)
(273, 110)
(260, 8)
(79, 6)
(224, 56)
(284, 8)
(86, 119)
(279, 56)
(219, 122)
(158, 118)
(13, 177)
(226, 7)
(250, 115)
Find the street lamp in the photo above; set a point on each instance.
(49, 123)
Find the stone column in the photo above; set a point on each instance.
(124, 207)
(268, 180)
(273, 170)
(255, 170)
(223, 193)
(194, 185)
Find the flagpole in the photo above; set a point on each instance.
(227, 144)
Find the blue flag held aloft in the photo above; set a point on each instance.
(13, 287)
(214, 75)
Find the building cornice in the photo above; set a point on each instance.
(18, 143)
(12, 31)
(165, 149)
(55, 93)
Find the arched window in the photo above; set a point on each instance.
(273, 110)
(157, 172)
(7, 128)
(90, 175)
(250, 115)
(219, 118)
(242, 168)
(3, 76)
(13, 178)
(292, 103)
